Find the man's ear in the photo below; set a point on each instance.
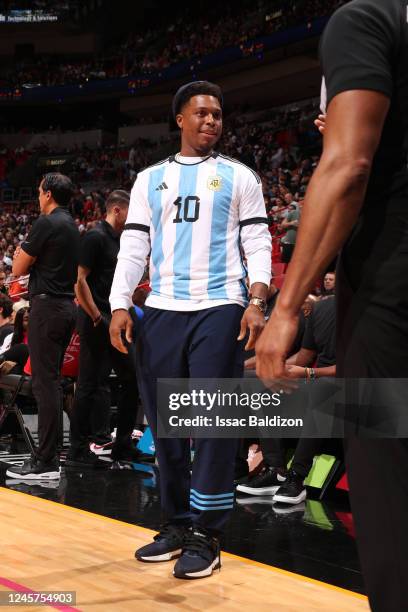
(179, 120)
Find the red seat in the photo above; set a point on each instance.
(278, 280)
(278, 268)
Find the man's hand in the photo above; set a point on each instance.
(254, 320)
(275, 344)
(121, 322)
(250, 364)
(320, 123)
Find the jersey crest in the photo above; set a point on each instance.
(214, 183)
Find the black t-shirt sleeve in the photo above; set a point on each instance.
(358, 47)
(38, 236)
(90, 249)
(308, 340)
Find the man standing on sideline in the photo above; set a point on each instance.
(194, 210)
(50, 255)
(363, 173)
(90, 419)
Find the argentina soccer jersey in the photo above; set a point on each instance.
(199, 214)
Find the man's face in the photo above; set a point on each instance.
(2, 279)
(200, 121)
(43, 197)
(329, 281)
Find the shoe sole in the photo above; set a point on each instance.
(44, 476)
(101, 451)
(258, 491)
(282, 499)
(216, 564)
(174, 554)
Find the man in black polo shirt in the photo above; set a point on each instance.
(90, 417)
(363, 172)
(50, 254)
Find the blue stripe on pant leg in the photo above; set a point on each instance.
(209, 509)
(218, 496)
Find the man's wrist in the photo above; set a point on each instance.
(258, 302)
(97, 319)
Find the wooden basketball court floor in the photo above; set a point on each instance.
(51, 547)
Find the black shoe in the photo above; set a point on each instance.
(131, 454)
(167, 544)
(293, 491)
(266, 482)
(242, 479)
(200, 557)
(34, 469)
(84, 459)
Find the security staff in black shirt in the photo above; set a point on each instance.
(90, 418)
(363, 174)
(50, 254)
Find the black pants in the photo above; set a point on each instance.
(372, 342)
(273, 451)
(90, 419)
(287, 252)
(52, 321)
(201, 344)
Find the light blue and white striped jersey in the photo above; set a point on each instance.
(194, 214)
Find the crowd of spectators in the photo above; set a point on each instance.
(186, 38)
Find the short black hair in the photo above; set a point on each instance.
(6, 305)
(60, 186)
(118, 197)
(195, 88)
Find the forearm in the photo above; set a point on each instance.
(257, 244)
(327, 220)
(134, 249)
(85, 299)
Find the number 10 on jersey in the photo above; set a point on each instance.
(188, 209)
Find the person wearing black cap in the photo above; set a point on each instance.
(193, 211)
(50, 254)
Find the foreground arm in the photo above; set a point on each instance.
(350, 141)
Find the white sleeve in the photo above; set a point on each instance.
(134, 248)
(6, 343)
(255, 237)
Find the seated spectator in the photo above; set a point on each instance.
(6, 314)
(14, 347)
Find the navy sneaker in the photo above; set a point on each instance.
(34, 469)
(200, 557)
(167, 544)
